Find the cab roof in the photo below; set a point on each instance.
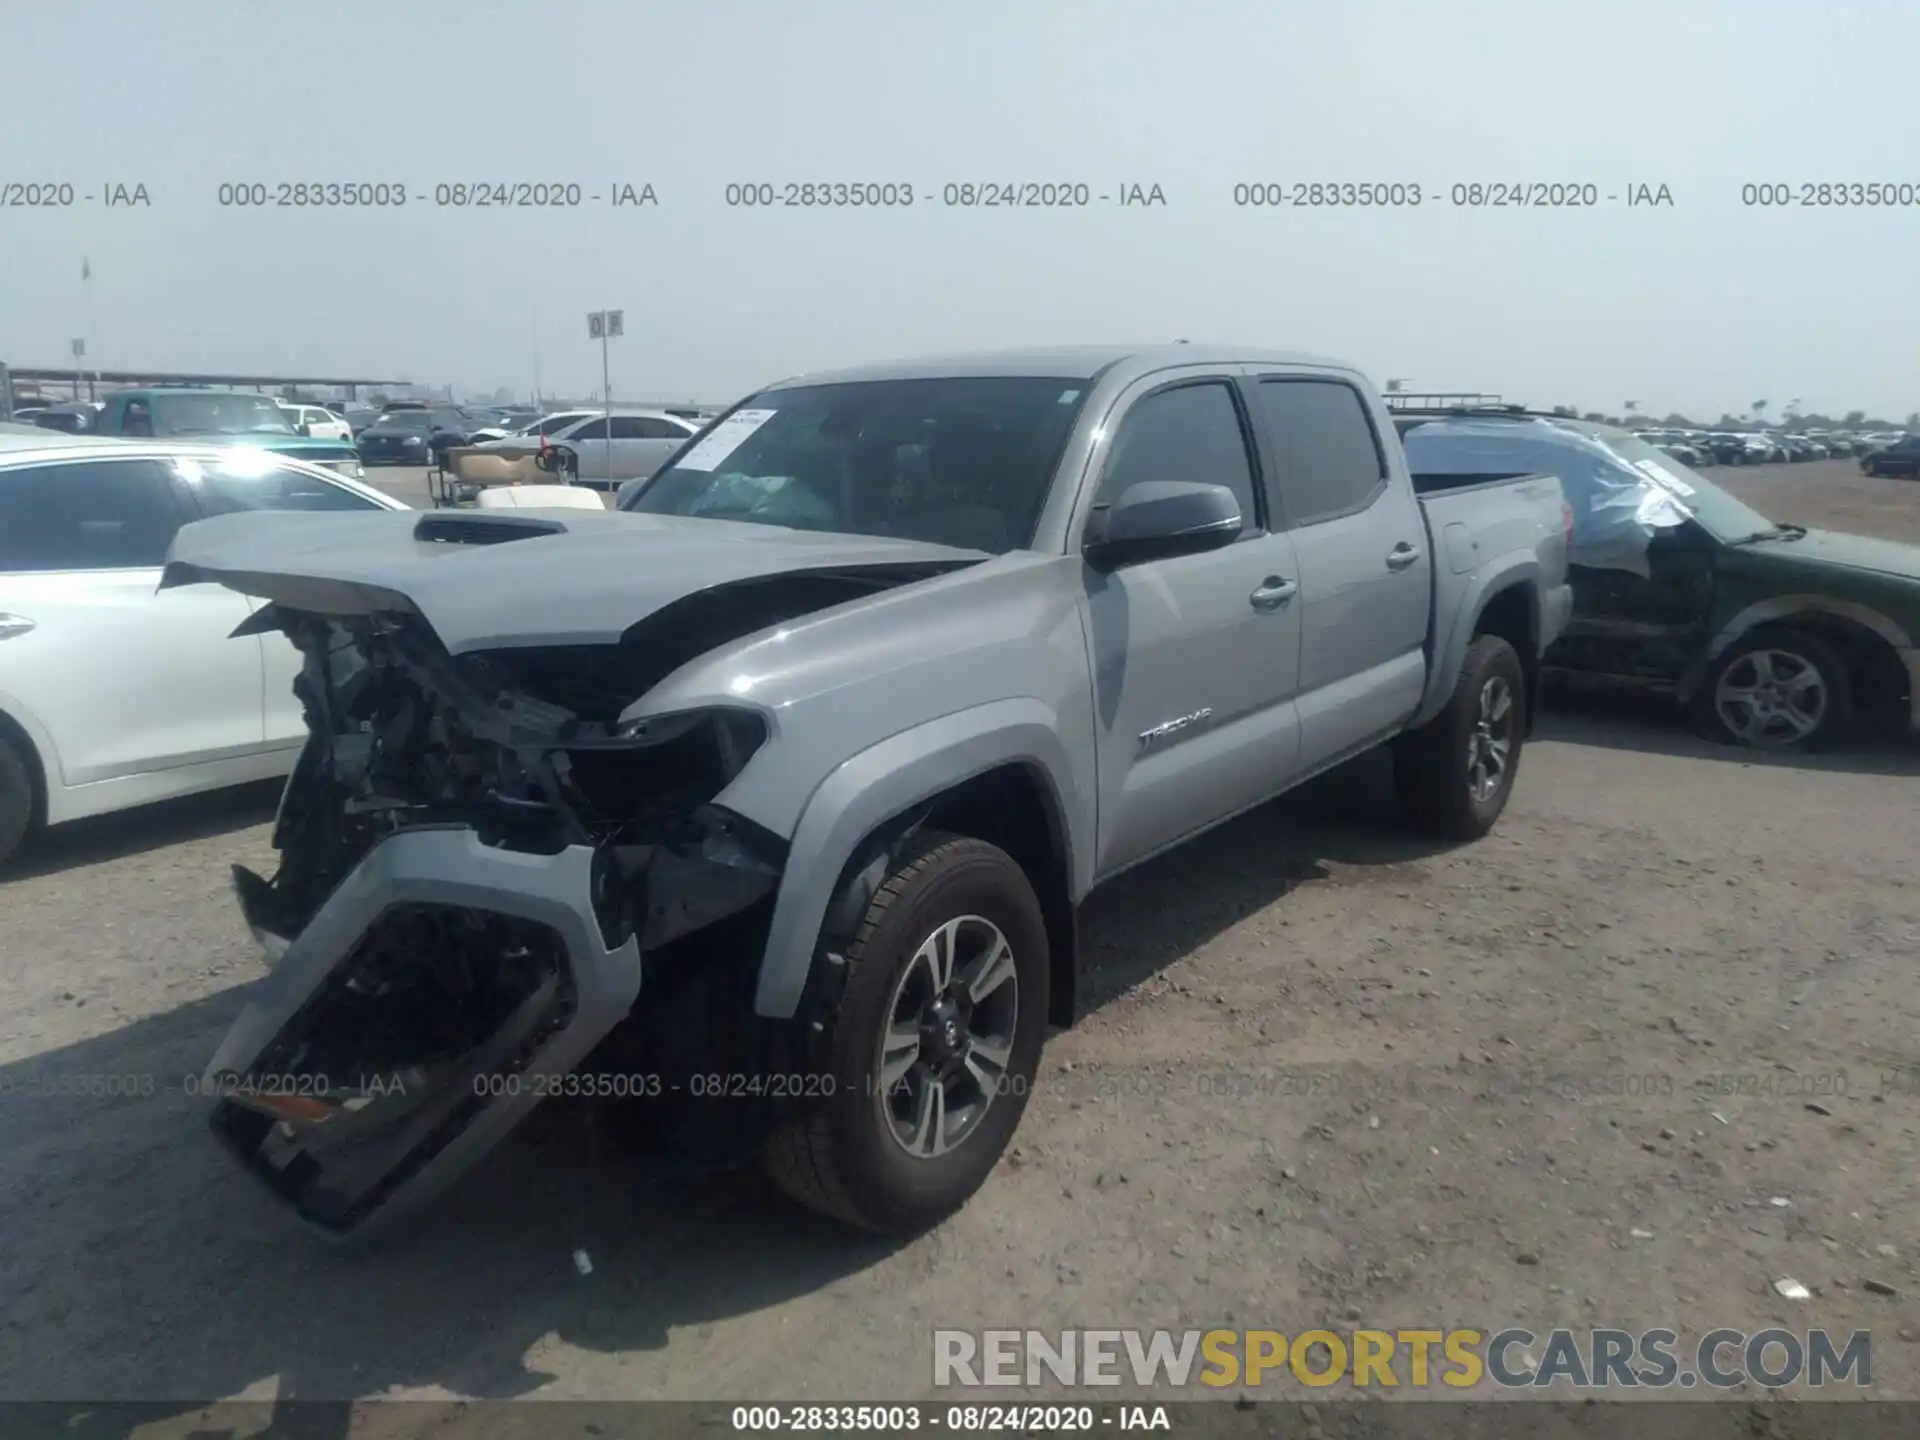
(1075, 362)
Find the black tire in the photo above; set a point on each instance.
(1433, 766)
(17, 808)
(841, 1157)
(1836, 713)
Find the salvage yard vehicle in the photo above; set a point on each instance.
(771, 800)
(1901, 458)
(317, 422)
(210, 416)
(418, 434)
(624, 445)
(112, 695)
(1770, 636)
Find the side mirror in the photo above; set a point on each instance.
(304, 428)
(1156, 519)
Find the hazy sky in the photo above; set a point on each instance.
(1704, 305)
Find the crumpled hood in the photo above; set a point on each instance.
(485, 580)
(1857, 552)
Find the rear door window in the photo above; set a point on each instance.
(1329, 459)
(87, 515)
(652, 427)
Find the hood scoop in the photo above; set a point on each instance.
(473, 529)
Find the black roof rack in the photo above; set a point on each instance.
(1442, 400)
(1497, 412)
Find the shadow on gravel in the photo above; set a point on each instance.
(100, 838)
(1649, 725)
(142, 1266)
(1150, 917)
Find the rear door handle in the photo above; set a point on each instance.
(1273, 593)
(1402, 555)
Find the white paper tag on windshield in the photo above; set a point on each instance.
(1663, 477)
(725, 439)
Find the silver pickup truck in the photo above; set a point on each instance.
(771, 799)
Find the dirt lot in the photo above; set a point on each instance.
(1315, 1089)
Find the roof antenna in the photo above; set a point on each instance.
(1179, 342)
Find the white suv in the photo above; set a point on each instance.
(114, 693)
(317, 422)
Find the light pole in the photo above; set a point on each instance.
(604, 326)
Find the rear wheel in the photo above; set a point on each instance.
(933, 1047)
(1454, 773)
(1779, 688)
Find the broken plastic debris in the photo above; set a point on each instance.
(1640, 1234)
(1780, 1202)
(1791, 1289)
(582, 1263)
(1718, 1116)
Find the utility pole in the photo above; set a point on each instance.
(93, 324)
(604, 326)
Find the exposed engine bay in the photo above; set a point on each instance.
(437, 1009)
(524, 748)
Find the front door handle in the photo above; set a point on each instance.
(1402, 555)
(1273, 593)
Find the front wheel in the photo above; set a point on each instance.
(1779, 688)
(16, 799)
(1454, 773)
(933, 1046)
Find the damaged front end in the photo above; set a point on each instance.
(482, 869)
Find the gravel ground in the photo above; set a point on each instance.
(1333, 1076)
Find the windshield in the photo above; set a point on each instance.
(217, 415)
(407, 420)
(965, 462)
(1724, 517)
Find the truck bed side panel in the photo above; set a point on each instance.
(1486, 538)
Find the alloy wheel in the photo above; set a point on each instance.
(1491, 741)
(1771, 698)
(947, 1037)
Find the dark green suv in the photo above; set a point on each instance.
(1774, 636)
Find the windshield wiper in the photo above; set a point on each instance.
(1776, 532)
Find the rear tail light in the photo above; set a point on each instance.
(1566, 521)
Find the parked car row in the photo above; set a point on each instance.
(598, 448)
(593, 447)
(1901, 458)
(1701, 448)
